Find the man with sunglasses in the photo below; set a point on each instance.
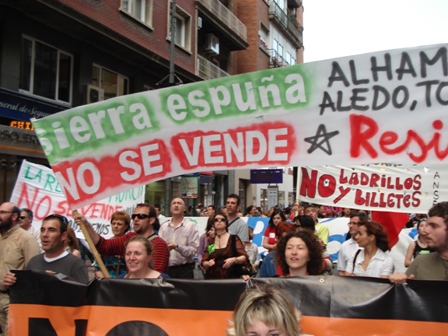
(183, 240)
(144, 219)
(26, 221)
(55, 259)
(17, 247)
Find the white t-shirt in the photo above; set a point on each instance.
(346, 252)
(162, 219)
(381, 264)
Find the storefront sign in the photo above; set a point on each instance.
(17, 106)
(266, 176)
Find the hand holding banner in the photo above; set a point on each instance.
(80, 220)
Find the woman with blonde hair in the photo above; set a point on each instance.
(265, 310)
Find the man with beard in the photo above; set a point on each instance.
(432, 266)
(144, 219)
(17, 247)
(182, 238)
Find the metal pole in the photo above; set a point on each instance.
(173, 41)
(168, 189)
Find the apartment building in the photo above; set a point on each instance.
(59, 54)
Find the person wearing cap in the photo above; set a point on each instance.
(55, 259)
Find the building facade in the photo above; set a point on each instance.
(275, 36)
(59, 54)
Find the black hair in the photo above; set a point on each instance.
(28, 212)
(152, 213)
(305, 222)
(234, 196)
(63, 221)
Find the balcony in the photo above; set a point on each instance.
(229, 26)
(264, 46)
(207, 70)
(287, 23)
(276, 60)
(294, 3)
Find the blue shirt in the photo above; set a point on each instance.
(269, 266)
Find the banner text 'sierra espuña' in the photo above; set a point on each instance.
(82, 130)
(222, 100)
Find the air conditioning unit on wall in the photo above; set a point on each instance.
(212, 44)
(93, 94)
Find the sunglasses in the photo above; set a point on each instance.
(220, 220)
(4, 212)
(140, 216)
(22, 217)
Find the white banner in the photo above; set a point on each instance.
(38, 190)
(387, 106)
(383, 187)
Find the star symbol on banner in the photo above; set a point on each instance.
(316, 143)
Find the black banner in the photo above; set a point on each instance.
(50, 305)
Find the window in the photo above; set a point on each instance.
(288, 58)
(281, 4)
(139, 9)
(111, 82)
(275, 44)
(183, 28)
(280, 50)
(281, 199)
(46, 71)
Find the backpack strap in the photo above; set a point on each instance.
(233, 221)
(151, 237)
(354, 259)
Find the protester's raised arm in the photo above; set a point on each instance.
(95, 236)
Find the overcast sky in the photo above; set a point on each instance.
(335, 28)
